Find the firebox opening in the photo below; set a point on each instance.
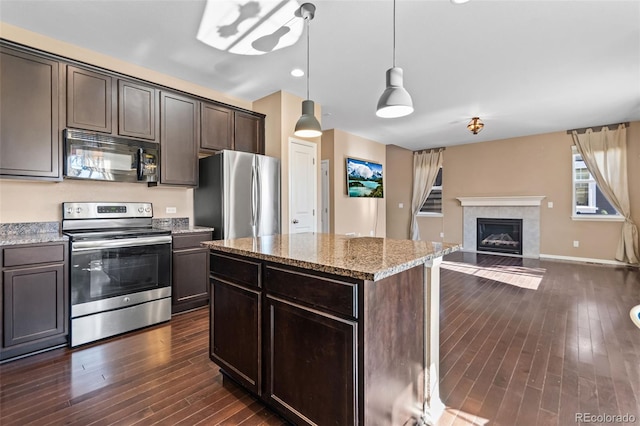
(499, 235)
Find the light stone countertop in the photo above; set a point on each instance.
(366, 258)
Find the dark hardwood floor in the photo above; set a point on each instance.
(523, 342)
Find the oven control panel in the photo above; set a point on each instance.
(106, 210)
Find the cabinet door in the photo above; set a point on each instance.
(235, 343)
(216, 127)
(178, 140)
(137, 110)
(190, 288)
(29, 138)
(33, 304)
(311, 367)
(89, 100)
(249, 133)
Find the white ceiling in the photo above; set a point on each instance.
(524, 67)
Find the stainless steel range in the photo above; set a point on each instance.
(120, 274)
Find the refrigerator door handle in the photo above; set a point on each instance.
(258, 216)
(254, 196)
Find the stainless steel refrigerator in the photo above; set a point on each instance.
(238, 194)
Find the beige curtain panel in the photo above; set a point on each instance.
(605, 154)
(425, 170)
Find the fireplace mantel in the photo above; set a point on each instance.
(511, 201)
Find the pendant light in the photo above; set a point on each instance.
(307, 125)
(395, 100)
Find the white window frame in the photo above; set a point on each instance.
(591, 207)
(433, 214)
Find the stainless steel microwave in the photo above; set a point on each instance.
(103, 157)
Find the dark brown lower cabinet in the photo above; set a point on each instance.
(326, 349)
(35, 293)
(190, 272)
(311, 365)
(235, 332)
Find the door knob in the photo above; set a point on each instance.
(295, 221)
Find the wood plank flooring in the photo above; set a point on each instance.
(523, 342)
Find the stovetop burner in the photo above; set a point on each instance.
(110, 234)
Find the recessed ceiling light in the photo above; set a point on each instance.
(459, 1)
(297, 72)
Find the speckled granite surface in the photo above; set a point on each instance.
(30, 233)
(178, 225)
(365, 258)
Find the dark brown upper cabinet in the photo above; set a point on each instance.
(30, 141)
(249, 132)
(89, 100)
(179, 140)
(137, 110)
(103, 103)
(216, 129)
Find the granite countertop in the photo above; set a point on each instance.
(30, 233)
(366, 258)
(178, 225)
(187, 229)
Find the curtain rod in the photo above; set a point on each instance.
(431, 149)
(596, 128)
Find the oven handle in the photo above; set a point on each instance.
(124, 242)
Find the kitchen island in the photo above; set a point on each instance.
(330, 329)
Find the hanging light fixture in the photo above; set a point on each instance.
(475, 125)
(395, 100)
(307, 125)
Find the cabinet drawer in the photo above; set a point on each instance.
(190, 240)
(238, 270)
(331, 295)
(19, 256)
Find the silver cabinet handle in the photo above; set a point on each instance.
(295, 220)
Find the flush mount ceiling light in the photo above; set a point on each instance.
(252, 27)
(475, 125)
(307, 125)
(459, 1)
(297, 72)
(395, 100)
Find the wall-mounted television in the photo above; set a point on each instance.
(364, 178)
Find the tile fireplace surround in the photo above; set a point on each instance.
(526, 208)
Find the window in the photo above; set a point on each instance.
(433, 205)
(589, 201)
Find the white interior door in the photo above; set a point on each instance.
(324, 214)
(303, 186)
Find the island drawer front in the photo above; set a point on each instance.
(190, 240)
(235, 269)
(331, 295)
(28, 255)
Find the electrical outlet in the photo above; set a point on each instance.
(171, 210)
(442, 235)
(550, 204)
(576, 243)
(400, 205)
(371, 233)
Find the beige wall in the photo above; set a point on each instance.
(283, 111)
(532, 165)
(35, 201)
(362, 216)
(398, 189)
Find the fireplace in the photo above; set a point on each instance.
(499, 235)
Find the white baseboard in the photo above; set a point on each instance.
(583, 260)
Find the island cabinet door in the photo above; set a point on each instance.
(311, 364)
(235, 343)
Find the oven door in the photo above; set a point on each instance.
(106, 269)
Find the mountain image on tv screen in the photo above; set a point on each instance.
(364, 178)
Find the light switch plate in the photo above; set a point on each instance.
(550, 204)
